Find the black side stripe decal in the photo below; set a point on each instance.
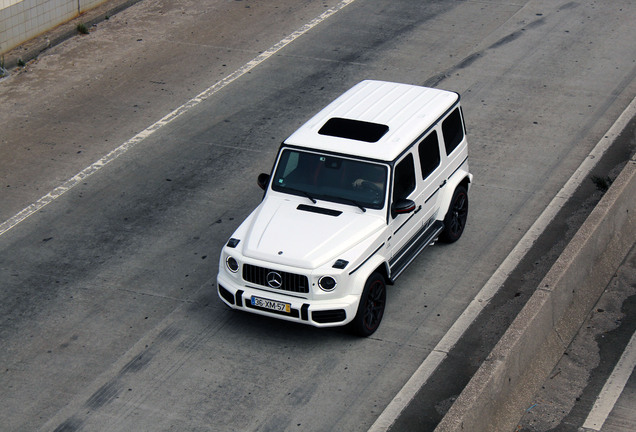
(405, 222)
(432, 195)
(453, 173)
(458, 168)
(365, 261)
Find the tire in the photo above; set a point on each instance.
(455, 219)
(371, 308)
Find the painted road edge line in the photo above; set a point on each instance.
(481, 300)
(613, 388)
(178, 112)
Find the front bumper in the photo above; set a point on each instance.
(318, 313)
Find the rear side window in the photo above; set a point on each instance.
(404, 178)
(429, 154)
(453, 131)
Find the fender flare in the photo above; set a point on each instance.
(461, 177)
(361, 274)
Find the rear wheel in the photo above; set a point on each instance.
(371, 307)
(455, 219)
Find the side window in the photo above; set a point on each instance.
(453, 130)
(429, 154)
(404, 178)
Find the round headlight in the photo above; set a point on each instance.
(327, 283)
(232, 264)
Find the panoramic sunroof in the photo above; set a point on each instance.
(353, 129)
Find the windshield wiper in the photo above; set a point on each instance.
(355, 203)
(312, 199)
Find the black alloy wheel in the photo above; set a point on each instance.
(455, 219)
(371, 307)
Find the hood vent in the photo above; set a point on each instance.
(320, 210)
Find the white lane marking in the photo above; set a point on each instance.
(441, 350)
(92, 169)
(613, 388)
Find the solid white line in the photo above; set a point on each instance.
(613, 388)
(92, 169)
(448, 341)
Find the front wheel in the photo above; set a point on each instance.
(371, 307)
(455, 219)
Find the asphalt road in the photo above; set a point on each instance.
(108, 312)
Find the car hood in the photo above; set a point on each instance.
(285, 232)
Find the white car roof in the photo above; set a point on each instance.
(363, 113)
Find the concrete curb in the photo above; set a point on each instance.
(32, 48)
(497, 395)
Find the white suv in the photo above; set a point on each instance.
(354, 196)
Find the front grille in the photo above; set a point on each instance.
(288, 281)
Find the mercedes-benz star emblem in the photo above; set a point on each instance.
(274, 279)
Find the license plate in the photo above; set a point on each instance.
(271, 304)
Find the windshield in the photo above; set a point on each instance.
(331, 178)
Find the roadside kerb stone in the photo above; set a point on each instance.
(30, 49)
(498, 394)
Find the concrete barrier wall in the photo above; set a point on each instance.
(21, 20)
(503, 387)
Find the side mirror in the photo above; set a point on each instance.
(263, 181)
(402, 206)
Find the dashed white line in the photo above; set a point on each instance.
(92, 169)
